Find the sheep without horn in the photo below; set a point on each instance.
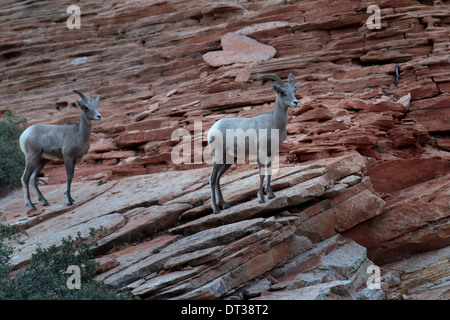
(44, 142)
(263, 133)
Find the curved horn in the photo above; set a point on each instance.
(81, 95)
(271, 77)
(291, 76)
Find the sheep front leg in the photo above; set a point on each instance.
(268, 189)
(224, 167)
(213, 181)
(70, 168)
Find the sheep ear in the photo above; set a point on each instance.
(78, 104)
(297, 85)
(97, 99)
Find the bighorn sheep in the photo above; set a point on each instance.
(44, 142)
(269, 124)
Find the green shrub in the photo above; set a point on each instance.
(7, 232)
(12, 160)
(45, 276)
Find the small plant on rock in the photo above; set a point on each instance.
(45, 276)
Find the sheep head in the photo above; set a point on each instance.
(285, 90)
(88, 106)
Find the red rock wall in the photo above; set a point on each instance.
(146, 60)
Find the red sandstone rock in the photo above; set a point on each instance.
(147, 61)
(133, 138)
(328, 217)
(103, 145)
(395, 175)
(384, 121)
(414, 221)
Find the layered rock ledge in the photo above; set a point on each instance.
(162, 241)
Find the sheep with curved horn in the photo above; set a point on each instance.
(44, 142)
(225, 144)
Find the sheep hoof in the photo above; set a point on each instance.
(271, 196)
(68, 198)
(225, 206)
(216, 210)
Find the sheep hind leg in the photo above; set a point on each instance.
(213, 181)
(25, 179)
(34, 175)
(261, 183)
(219, 195)
(268, 188)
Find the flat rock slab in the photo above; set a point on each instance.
(238, 48)
(15, 211)
(292, 196)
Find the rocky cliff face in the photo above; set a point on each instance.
(364, 170)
